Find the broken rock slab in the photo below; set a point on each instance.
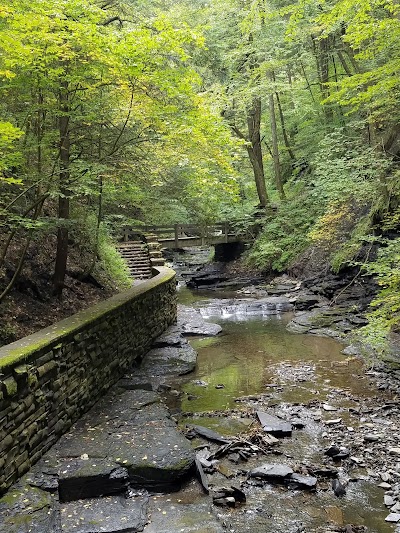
(90, 478)
(283, 474)
(274, 425)
(171, 337)
(300, 482)
(209, 434)
(176, 360)
(393, 517)
(127, 437)
(274, 473)
(111, 514)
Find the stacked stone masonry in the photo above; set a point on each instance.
(49, 379)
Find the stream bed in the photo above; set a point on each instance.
(255, 363)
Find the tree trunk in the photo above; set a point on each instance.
(38, 208)
(284, 132)
(255, 151)
(321, 53)
(343, 61)
(63, 201)
(275, 149)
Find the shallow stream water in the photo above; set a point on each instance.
(257, 355)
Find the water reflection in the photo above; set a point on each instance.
(257, 355)
(247, 356)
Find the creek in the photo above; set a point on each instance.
(256, 363)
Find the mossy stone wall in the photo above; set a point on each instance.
(49, 379)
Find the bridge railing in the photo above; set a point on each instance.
(179, 232)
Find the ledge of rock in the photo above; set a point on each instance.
(127, 439)
(178, 360)
(115, 514)
(25, 508)
(191, 322)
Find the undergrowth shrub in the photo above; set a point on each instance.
(342, 231)
(111, 261)
(109, 268)
(384, 316)
(285, 235)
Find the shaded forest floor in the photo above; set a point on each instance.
(31, 305)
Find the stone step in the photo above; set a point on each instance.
(136, 258)
(133, 252)
(130, 247)
(139, 266)
(145, 266)
(158, 262)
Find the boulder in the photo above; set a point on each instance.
(178, 360)
(171, 337)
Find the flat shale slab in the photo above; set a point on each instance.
(172, 517)
(126, 438)
(112, 514)
(274, 425)
(28, 509)
(177, 360)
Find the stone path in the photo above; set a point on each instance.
(97, 477)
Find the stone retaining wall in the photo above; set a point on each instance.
(49, 379)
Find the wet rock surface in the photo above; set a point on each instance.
(274, 425)
(26, 508)
(110, 514)
(191, 322)
(89, 481)
(325, 484)
(245, 307)
(131, 435)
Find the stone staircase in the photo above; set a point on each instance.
(154, 247)
(136, 256)
(141, 257)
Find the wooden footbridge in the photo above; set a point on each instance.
(141, 246)
(184, 235)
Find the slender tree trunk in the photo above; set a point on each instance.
(275, 149)
(321, 49)
(350, 55)
(63, 201)
(12, 234)
(308, 83)
(343, 61)
(255, 150)
(18, 270)
(284, 132)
